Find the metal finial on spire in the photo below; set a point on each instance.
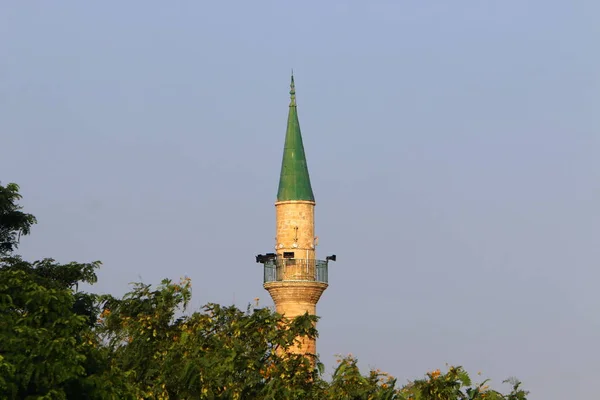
(292, 91)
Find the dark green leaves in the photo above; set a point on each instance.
(13, 222)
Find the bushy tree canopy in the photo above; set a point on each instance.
(57, 342)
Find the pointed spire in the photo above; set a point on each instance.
(294, 181)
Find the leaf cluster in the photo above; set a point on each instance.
(13, 222)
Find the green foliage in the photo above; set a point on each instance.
(456, 385)
(57, 342)
(225, 353)
(13, 222)
(349, 384)
(142, 347)
(41, 334)
(220, 352)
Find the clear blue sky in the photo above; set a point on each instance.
(453, 149)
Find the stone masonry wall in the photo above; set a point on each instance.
(291, 215)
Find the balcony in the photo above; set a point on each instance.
(295, 270)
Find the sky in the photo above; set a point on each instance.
(453, 149)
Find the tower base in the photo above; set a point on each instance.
(295, 298)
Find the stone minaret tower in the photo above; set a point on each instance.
(293, 276)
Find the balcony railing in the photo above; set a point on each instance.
(295, 269)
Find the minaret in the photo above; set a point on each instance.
(293, 276)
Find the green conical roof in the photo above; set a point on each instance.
(294, 182)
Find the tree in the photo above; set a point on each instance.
(225, 353)
(219, 352)
(348, 383)
(456, 384)
(48, 347)
(42, 338)
(57, 342)
(13, 222)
